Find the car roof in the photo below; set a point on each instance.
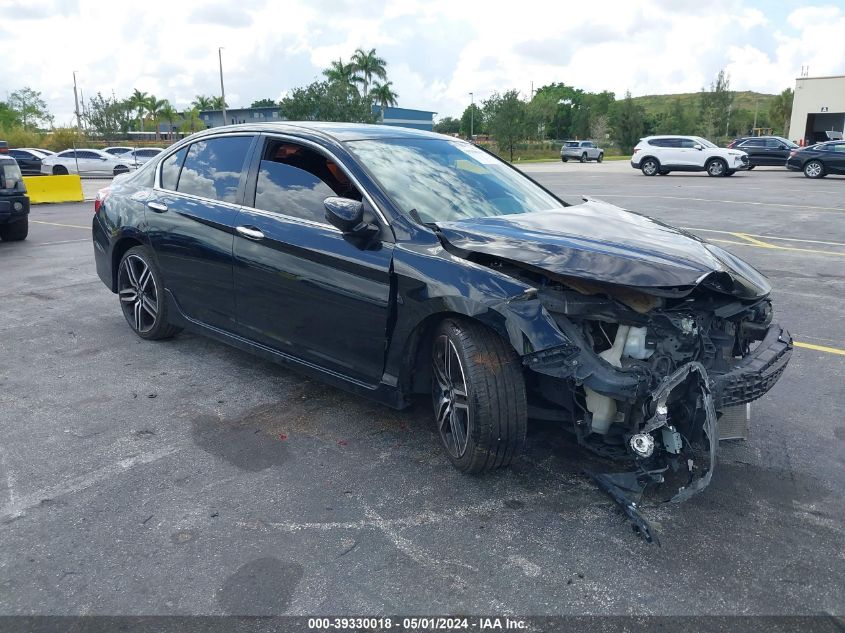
(329, 130)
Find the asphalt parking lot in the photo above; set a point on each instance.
(186, 477)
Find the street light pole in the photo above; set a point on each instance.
(471, 115)
(222, 90)
(76, 105)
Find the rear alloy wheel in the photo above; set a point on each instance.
(814, 169)
(60, 170)
(717, 167)
(478, 392)
(600, 158)
(141, 295)
(584, 157)
(650, 166)
(15, 231)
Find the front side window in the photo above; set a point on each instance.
(67, 154)
(10, 174)
(213, 168)
(295, 180)
(686, 143)
(445, 180)
(753, 142)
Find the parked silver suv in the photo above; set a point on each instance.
(581, 150)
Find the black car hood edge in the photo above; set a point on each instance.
(602, 242)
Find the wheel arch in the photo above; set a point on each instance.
(118, 251)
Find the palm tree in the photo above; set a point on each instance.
(169, 114)
(384, 96)
(369, 65)
(343, 75)
(190, 120)
(203, 103)
(138, 101)
(154, 107)
(217, 103)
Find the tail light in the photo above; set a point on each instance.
(102, 194)
(636, 149)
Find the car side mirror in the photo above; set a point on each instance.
(698, 146)
(348, 216)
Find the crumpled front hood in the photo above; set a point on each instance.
(601, 242)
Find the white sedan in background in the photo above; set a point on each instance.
(85, 162)
(141, 155)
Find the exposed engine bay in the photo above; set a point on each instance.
(649, 374)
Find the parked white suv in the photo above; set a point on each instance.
(663, 154)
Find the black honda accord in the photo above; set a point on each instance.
(393, 262)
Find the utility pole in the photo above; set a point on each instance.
(222, 90)
(76, 105)
(471, 115)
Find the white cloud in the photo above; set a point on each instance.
(437, 50)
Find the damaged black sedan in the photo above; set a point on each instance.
(392, 262)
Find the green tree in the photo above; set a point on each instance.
(383, 96)
(8, 116)
(327, 101)
(30, 107)
(154, 107)
(264, 103)
(343, 75)
(366, 64)
(448, 125)
(505, 117)
(138, 100)
(628, 122)
(568, 101)
(191, 121)
(168, 113)
(108, 117)
(217, 103)
(780, 112)
(540, 113)
(472, 121)
(201, 102)
(715, 106)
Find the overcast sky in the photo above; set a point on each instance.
(437, 50)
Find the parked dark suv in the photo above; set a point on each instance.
(14, 203)
(764, 150)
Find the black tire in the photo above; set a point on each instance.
(664, 172)
(814, 169)
(730, 172)
(59, 170)
(145, 323)
(716, 167)
(584, 157)
(750, 167)
(600, 158)
(120, 169)
(15, 231)
(650, 166)
(495, 409)
(564, 158)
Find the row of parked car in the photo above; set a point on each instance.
(110, 161)
(661, 155)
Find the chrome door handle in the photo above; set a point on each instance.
(253, 234)
(158, 207)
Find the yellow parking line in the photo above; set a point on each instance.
(765, 237)
(820, 348)
(70, 226)
(753, 241)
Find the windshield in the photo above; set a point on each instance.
(572, 144)
(445, 180)
(10, 174)
(704, 141)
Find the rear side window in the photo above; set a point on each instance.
(213, 168)
(295, 180)
(170, 167)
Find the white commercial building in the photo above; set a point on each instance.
(818, 107)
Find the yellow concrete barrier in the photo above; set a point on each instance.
(53, 188)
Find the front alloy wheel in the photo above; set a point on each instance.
(478, 392)
(141, 298)
(717, 167)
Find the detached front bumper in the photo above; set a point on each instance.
(755, 374)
